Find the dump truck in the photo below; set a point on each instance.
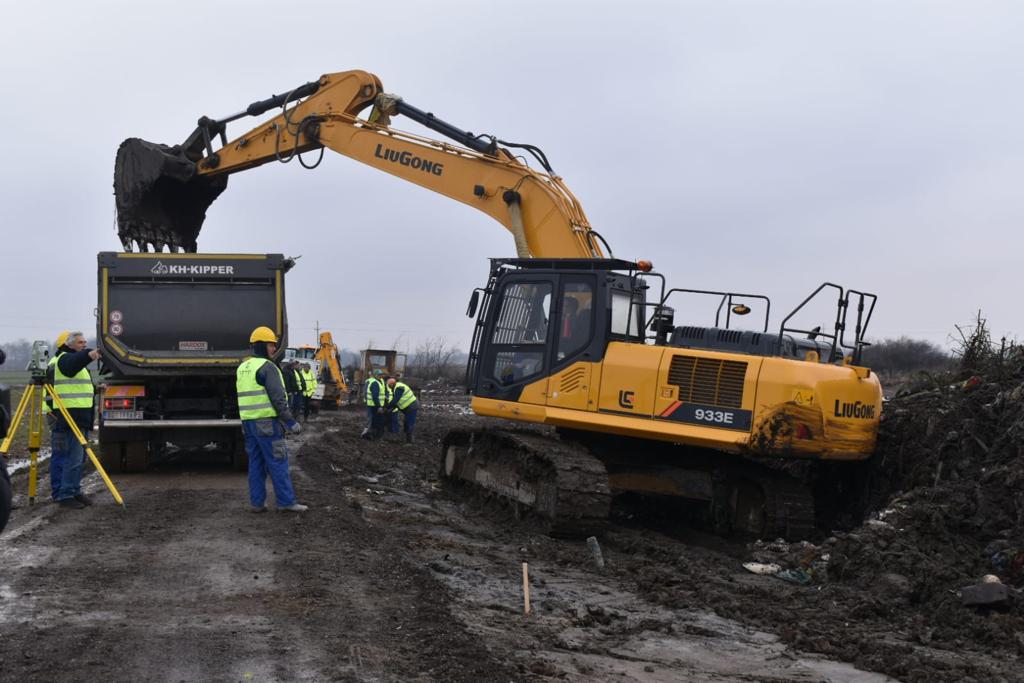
(172, 329)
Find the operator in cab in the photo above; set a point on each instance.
(263, 408)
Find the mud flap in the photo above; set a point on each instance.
(111, 455)
(161, 200)
(239, 456)
(136, 456)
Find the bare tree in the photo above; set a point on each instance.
(905, 355)
(433, 357)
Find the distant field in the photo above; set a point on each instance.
(14, 378)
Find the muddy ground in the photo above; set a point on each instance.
(394, 576)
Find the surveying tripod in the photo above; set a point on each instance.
(31, 403)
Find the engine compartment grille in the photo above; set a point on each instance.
(708, 381)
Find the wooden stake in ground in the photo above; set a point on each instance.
(526, 588)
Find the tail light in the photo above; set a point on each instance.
(118, 403)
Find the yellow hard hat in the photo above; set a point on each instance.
(263, 334)
(62, 338)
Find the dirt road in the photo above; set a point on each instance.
(392, 577)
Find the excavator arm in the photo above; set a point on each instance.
(163, 192)
(330, 367)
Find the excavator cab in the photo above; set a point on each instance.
(541, 316)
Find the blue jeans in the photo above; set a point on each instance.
(410, 417)
(58, 454)
(264, 442)
(71, 472)
(374, 422)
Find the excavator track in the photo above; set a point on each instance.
(562, 484)
(781, 506)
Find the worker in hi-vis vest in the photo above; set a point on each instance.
(376, 400)
(310, 378)
(403, 401)
(263, 408)
(73, 384)
(57, 456)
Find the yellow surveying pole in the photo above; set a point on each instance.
(32, 403)
(85, 444)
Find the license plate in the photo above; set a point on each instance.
(192, 346)
(122, 414)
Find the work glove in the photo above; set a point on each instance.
(293, 427)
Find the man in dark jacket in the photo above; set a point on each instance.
(404, 401)
(73, 384)
(5, 482)
(291, 385)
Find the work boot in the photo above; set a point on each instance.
(71, 504)
(257, 508)
(408, 437)
(84, 499)
(294, 507)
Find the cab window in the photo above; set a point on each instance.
(575, 320)
(626, 318)
(522, 323)
(523, 318)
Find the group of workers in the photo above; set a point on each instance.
(269, 400)
(385, 398)
(300, 384)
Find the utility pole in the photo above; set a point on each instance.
(317, 331)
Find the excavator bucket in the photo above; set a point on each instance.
(161, 200)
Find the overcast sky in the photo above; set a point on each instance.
(755, 146)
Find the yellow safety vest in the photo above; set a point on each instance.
(408, 398)
(48, 401)
(381, 395)
(310, 382)
(75, 392)
(253, 399)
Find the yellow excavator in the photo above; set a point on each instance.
(566, 334)
(335, 387)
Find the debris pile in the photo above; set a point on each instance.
(947, 484)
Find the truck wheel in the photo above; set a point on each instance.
(5, 497)
(239, 457)
(136, 456)
(110, 455)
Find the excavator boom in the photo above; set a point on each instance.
(163, 192)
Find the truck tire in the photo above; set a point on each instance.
(5, 496)
(111, 455)
(136, 456)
